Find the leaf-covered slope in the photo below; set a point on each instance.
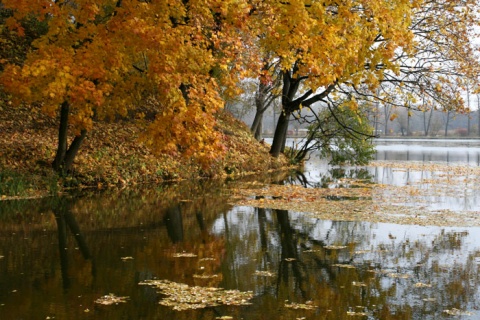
(112, 155)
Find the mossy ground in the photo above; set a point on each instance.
(112, 156)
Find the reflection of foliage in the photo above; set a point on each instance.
(341, 134)
(342, 177)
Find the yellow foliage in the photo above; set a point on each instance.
(104, 56)
(101, 57)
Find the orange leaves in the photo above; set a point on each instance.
(104, 57)
(188, 129)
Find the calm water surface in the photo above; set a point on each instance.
(57, 256)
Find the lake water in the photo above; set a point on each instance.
(58, 256)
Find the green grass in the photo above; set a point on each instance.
(13, 183)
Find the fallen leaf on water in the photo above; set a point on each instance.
(347, 266)
(126, 258)
(205, 276)
(353, 313)
(458, 312)
(398, 275)
(110, 299)
(264, 274)
(358, 284)
(305, 306)
(422, 285)
(334, 247)
(184, 255)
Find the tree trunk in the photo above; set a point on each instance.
(257, 124)
(290, 88)
(280, 136)
(64, 158)
(478, 111)
(408, 122)
(62, 137)
(258, 132)
(427, 124)
(447, 123)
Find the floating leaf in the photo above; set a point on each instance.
(353, 313)
(398, 275)
(358, 284)
(205, 276)
(184, 255)
(422, 285)
(126, 258)
(457, 312)
(306, 306)
(334, 247)
(264, 274)
(110, 299)
(347, 266)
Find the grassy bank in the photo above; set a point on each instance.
(111, 156)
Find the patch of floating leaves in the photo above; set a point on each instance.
(126, 258)
(457, 312)
(184, 255)
(334, 247)
(398, 275)
(110, 299)
(181, 296)
(264, 274)
(305, 306)
(205, 276)
(408, 204)
(356, 313)
(422, 285)
(358, 284)
(347, 266)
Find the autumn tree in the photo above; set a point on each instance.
(322, 44)
(441, 65)
(266, 93)
(97, 57)
(381, 52)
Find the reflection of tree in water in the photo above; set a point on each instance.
(66, 221)
(375, 280)
(290, 265)
(444, 278)
(331, 178)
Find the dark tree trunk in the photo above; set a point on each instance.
(280, 136)
(62, 137)
(290, 105)
(447, 122)
(73, 150)
(258, 132)
(256, 127)
(64, 158)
